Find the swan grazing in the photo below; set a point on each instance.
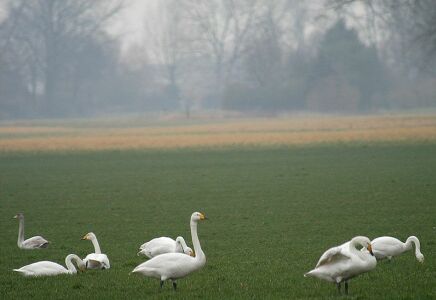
(388, 247)
(95, 260)
(35, 242)
(176, 265)
(163, 245)
(344, 262)
(48, 268)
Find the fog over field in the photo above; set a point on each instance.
(79, 58)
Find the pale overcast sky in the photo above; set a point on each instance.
(130, 24)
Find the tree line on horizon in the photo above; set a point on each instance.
(57, 58)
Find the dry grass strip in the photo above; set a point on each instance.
(232, 132)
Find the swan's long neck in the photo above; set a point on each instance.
(199, 254)
(20, 232)
(414, 240)
(68, 262)
(181, 245)
(96, 245)
(353, 248)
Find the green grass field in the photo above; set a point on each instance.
(273, 211)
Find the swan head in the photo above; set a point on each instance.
(420, 257)
(89, 236)
(189, 252)
(19, 216)
(182, 244)
(197, 216)
(81, 265)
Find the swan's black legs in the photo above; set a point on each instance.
(174, 285)
(339, 287)
(161, 284)
(346, 287)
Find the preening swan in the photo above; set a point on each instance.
(48, 268)
(163, 245)
(95, 260)
(344, 262)
(176, 265)
(31, 243)
(388, 247)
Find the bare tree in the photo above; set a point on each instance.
(42, 35)
(167, 47)
(409, 26)
(221, 28)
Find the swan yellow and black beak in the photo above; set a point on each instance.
(192, 253)
(370, 249)
(85, 237)
(203, 217)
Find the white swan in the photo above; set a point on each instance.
(163, 245)
(176, 265)
(344, 262)
(95, 260)
(388, 247)
(48, 268)
(31, 243)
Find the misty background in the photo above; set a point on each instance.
(81, 58)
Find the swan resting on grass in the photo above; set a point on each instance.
(48, 268)
(95, 260)
(35, 242)
(341, 263)
(163, 245)
(388, 247)
(172, 266)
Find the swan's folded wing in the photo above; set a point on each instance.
(98, 264)
(167, 260)
(36, 242)
(387, 243)
(100, 257)
(331, 255)
(95, 260)
(161, 250)
(41, 268)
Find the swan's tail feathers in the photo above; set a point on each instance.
(309, 274)
(22, 272)
(45, 245)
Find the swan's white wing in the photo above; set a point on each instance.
(158, 242)
(35, 242)
(169, 265)
(387, 246)
(386, 241)
(158, 246)
(161, 250)
(333, 255)
(42, 268)
(97, 261)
